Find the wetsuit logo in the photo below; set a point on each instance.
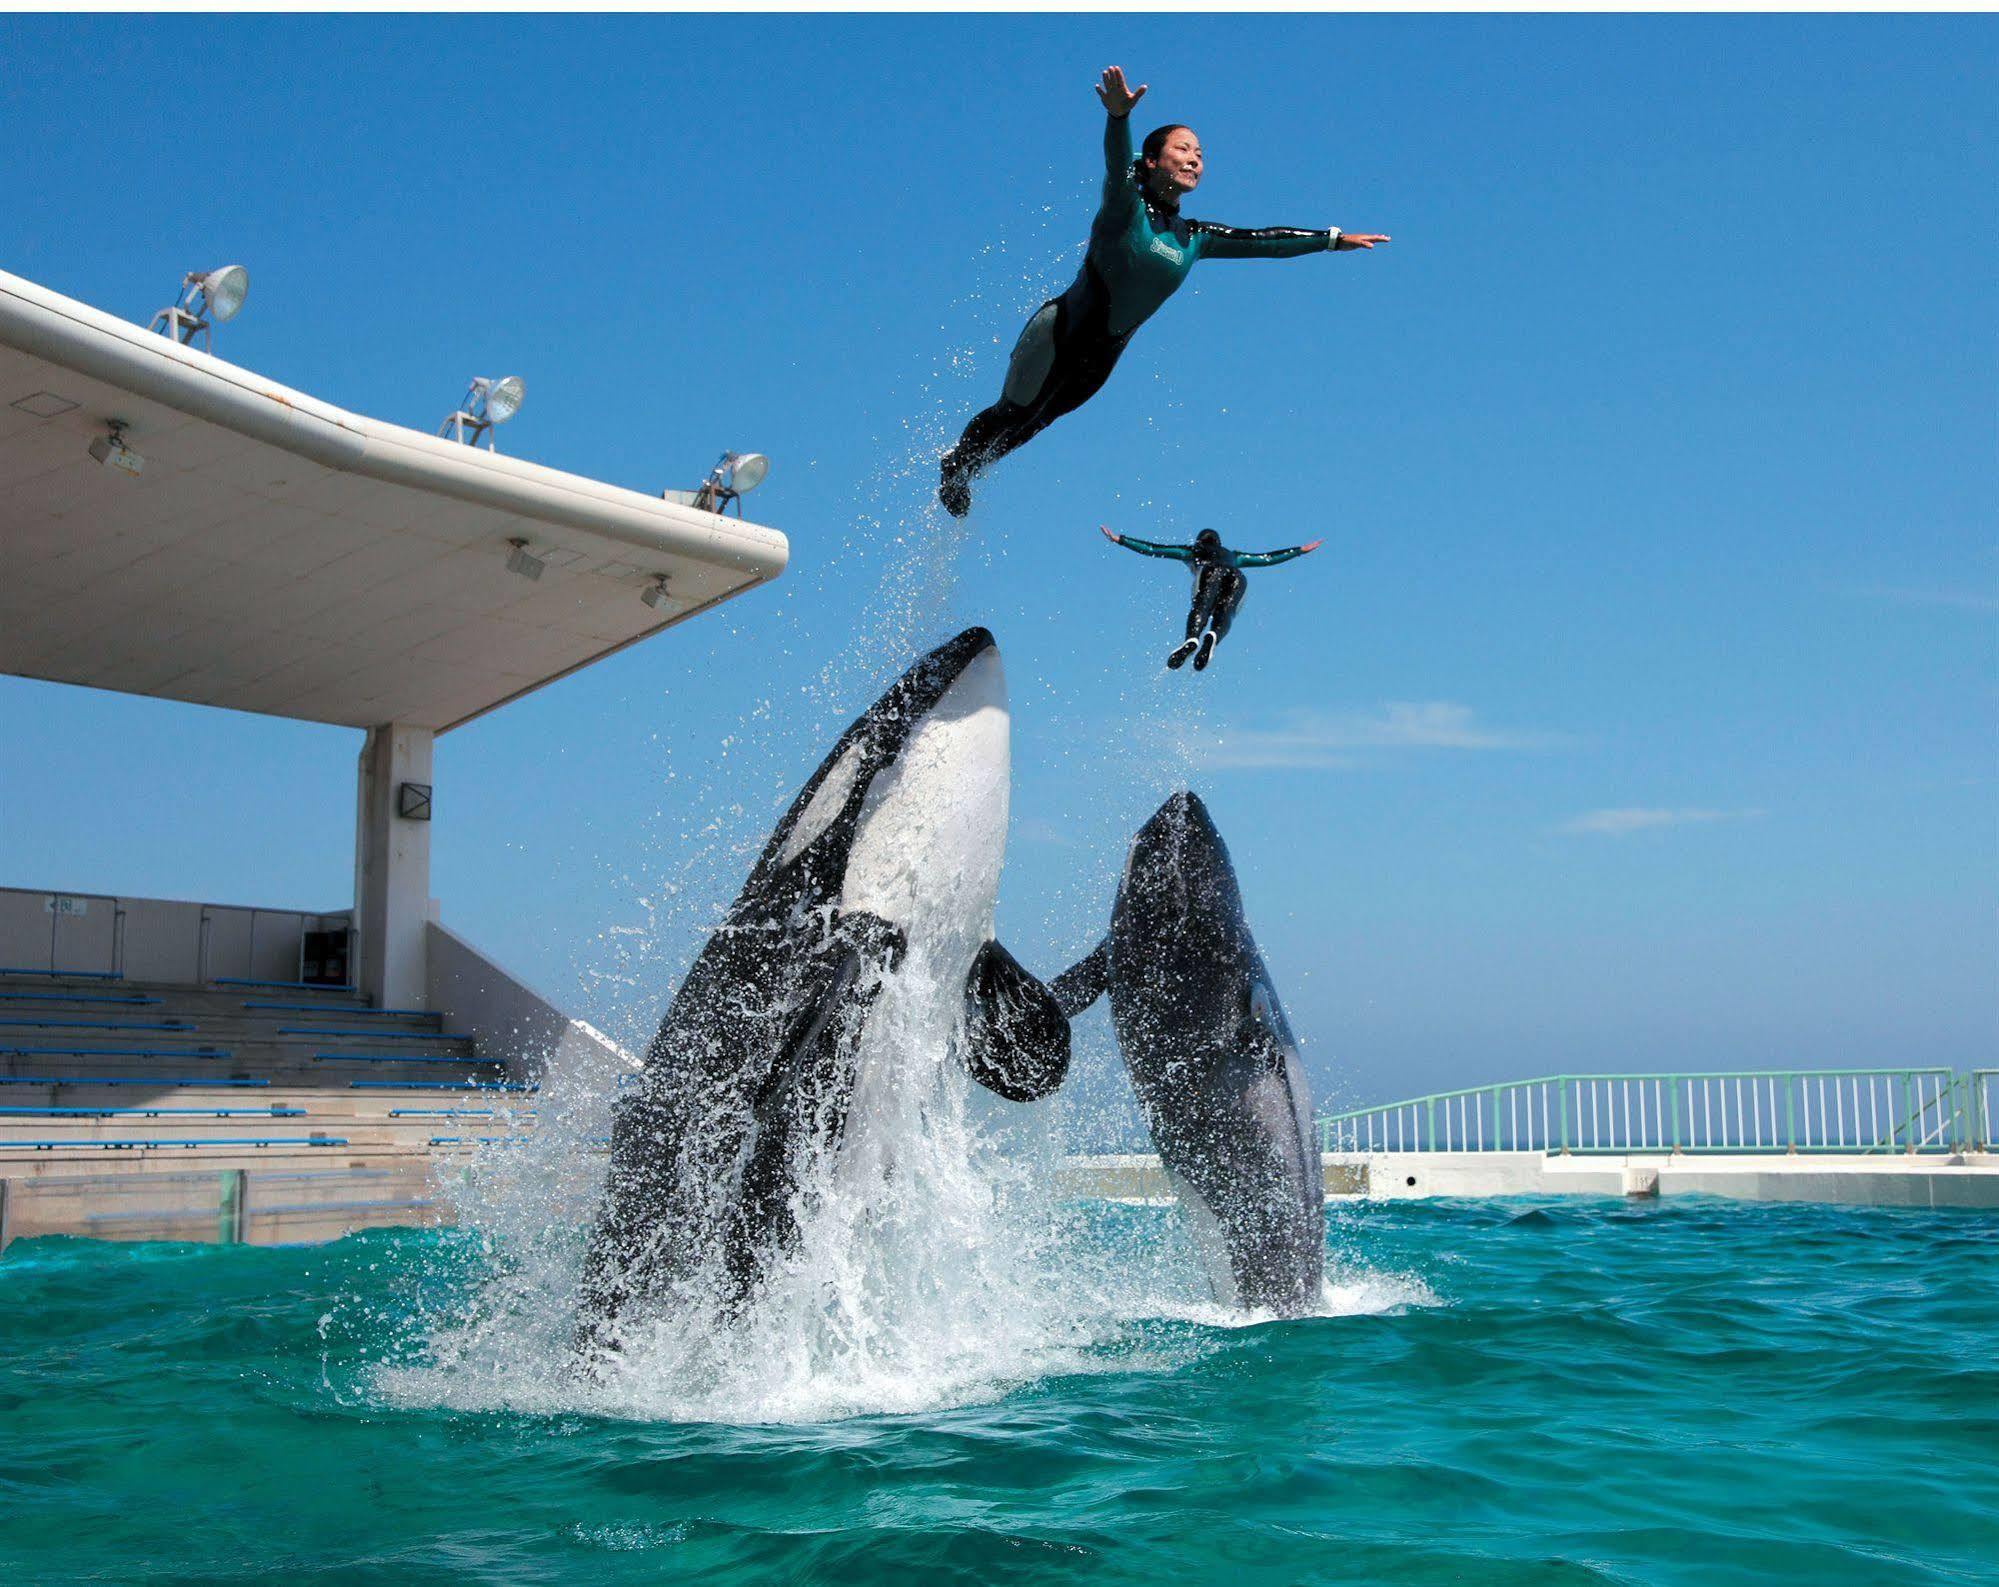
(1165, 248)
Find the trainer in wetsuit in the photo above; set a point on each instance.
(1218, 585)
(1141, 248)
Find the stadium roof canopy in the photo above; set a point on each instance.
(277, 554)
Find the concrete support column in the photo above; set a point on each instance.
(392, 864)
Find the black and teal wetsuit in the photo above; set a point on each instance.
(1141, 249)
(1218, 586)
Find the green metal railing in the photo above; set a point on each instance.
(1981, 1109)
(1735, 1111)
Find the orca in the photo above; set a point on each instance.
(885, 866)
(1212, 1060)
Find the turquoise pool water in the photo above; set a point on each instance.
(1505, 1392)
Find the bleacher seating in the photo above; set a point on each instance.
(97, 1024)
(256, 1142)
(126, 1080)
(272, 1112)
(128, 999)
(73, 1088)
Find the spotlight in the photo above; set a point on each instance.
(655, 593)
(524, 562)
(502, 397)
(487, 403)
(112, 452)
(727, 480)
(207, 298)
(223, 292)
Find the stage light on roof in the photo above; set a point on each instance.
(736, 473)
(487, 403)
(223, 291)
(503, 398)
(207, 298)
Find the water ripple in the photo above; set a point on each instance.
(1522, 1393)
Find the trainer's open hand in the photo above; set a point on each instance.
(1358, 239)
(1117, 98)
(1110, 535)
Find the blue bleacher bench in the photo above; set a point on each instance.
(125, 1000)
(114, 1052)
(375, 1035)
(395, 1058)
(440, 1113)
(340, 1013)
(121, 1080)
(289, 986)
(99, 1024)
(272, 1112)
(155, 1145)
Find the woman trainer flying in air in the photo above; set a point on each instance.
(1141, 249)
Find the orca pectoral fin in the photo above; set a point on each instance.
(1016, 1035)
(1077, 987)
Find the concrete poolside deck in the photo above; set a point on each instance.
(270, 1197)
(1876, 1180)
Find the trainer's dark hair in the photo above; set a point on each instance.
(1153, 147)
(1155, 140)
(1208, 537)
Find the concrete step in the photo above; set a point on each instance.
(18, 995)
(17, 987)
(318, 1101)
(263, 1047)
(286, 1129)
(156, 1143)
(15, 1031)
(340, 1011)
(305, 1069)
(17, 1161)
(156, 1011)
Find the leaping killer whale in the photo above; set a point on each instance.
(1213, 1061)
(891, 851)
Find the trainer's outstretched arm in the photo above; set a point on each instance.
(1147, 548)
(1270, 559)
(1118, 100)
(1276, 242)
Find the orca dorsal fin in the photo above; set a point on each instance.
(1016, 1036)
(1077, 987)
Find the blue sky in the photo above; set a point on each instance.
(1638, 711)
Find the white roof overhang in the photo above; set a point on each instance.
(280, 555)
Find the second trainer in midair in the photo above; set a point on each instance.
(1218, 585)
